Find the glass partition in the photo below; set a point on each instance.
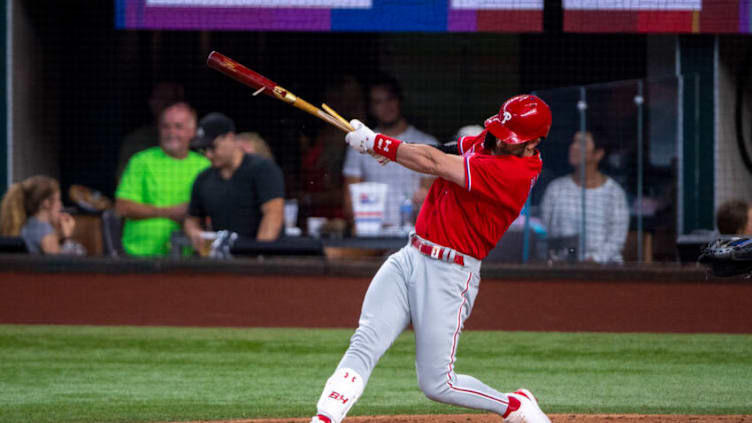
(611, 180)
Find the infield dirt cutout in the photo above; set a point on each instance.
(492, 418)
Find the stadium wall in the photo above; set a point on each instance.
(677, 302)
(5, 86)
(34, 130)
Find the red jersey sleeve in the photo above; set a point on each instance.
(470, 143)
(501, 179)
(464, 144)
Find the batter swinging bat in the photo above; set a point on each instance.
(263, 85)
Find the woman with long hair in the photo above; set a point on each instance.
(32, 209)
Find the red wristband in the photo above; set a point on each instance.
(386, 146)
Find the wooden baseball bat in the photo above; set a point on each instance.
(337, 116)
(263, 85)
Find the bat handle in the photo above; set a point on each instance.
(337, 116)
(309, 108)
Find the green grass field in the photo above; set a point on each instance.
(135, 374)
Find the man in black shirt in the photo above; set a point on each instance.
(240, 192)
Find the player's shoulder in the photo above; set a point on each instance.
(501, 166)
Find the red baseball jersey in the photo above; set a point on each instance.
(473, 218)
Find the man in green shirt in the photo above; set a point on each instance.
(155, 188)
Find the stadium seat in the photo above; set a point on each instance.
(112, 229)
(12, 244)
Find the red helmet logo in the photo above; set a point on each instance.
(521, 118)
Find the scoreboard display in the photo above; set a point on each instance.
(333, 15)
(658, 16)
(612, 16)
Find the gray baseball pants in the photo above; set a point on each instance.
(436, 297)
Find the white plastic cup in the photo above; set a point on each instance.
(314, 226)
(368, 203)
(207, 238)
(291, 213)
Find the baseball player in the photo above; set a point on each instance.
(483, 182)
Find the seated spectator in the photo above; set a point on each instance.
(155, 188)
(252, 143)
(734, 217)
(606, 212)
(240, 192)
(385, 105)
(162, 95)
(32, 209)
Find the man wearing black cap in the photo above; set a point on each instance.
(240, 192)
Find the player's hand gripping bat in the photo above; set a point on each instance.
(263, 85)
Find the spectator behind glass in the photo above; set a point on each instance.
(324, 154)
(162, 95)
(32, 209)
(240, 192)
(606, 212)
(154, 191)
(734, 217)
(385, 105)
(252, 143)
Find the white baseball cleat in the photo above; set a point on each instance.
(529, 411)
(316, 419)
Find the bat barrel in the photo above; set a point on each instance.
(240, 73)
(245, 76)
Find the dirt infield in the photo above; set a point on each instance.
(491, 418)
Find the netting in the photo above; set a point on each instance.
(670, 111)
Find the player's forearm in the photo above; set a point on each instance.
(419, 157)
(430, 161)
(448, 148)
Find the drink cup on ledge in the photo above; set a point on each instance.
(368, 201)
(314, 225)
(206, 242)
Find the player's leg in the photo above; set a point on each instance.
(384, 315)
(444, 294)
